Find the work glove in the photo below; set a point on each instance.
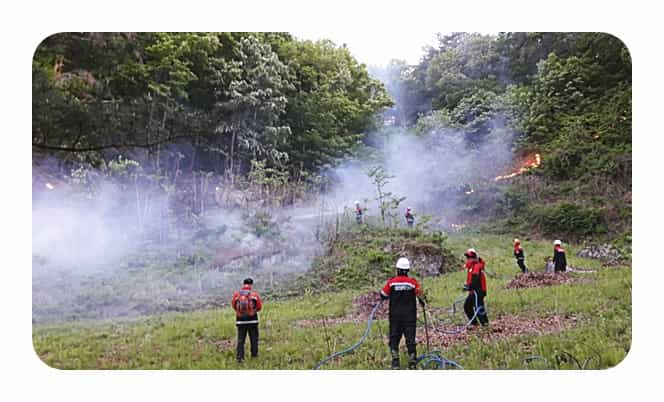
(466, 287)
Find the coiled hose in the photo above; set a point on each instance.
(478, 309)
(356, 344)
(435, 360)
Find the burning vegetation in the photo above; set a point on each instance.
(530, 162)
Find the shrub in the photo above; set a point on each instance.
(568, 219)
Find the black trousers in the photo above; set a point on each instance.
(242, 331)
(469, 307)
(405, 328)
(522, 265)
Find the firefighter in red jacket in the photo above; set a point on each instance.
(520, 256)
(402, 291)
(559, 259)
(476, 285)
(246, 303)
(358, 213)
(410, 218)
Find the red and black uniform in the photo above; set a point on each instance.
(247, 323)
(559, 260)
(358, 214)
(520, 257)
(476, 284)
(402, 292)
(410, 218)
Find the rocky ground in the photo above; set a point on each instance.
(604, 252)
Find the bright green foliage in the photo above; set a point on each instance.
(366, 254)
(226, 99)
(566, 96)
(332, 104)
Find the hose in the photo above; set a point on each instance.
(356, 344)
(430, 359)
(435, 360)
(478, 309)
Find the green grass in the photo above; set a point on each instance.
(206, 339)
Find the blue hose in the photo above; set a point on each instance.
(431, 359)
(435, 360)
(356, 344)
(478, 309)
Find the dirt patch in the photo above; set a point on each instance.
(362, 306)
(498, 329)
(221, 344)
(541, 279)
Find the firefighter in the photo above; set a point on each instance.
(520, 256)
(559, 260)
(358, 213)
(246, 303)
(402, 291)
(410, 218)
(476, 285)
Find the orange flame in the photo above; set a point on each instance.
(528, 164)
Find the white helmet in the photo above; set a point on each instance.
(557, 243)
(471, 253)
(357, 203)
(403, 263)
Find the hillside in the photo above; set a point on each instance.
(588, 318)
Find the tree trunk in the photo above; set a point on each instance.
(232, 156)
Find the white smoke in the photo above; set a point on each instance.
(122, 255)
(425, 168)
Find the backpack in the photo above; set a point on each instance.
(245, 305)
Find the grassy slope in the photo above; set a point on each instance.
(205, 339)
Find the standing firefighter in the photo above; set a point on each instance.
(559, 260)
(410, 218)
(358, 213)
(520, 256)
(476, 285)
(246, 303)
(402, 291)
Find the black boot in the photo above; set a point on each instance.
(412, 361)
(395, 359)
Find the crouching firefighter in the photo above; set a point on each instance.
(520, 256)
(402, 291)
(476, 285)
(246, 303)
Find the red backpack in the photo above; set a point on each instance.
(244, 304)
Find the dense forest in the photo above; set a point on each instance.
(185, 113)
(564, 96)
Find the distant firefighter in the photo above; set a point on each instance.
(410, 217)
(520, 256)
(358, 213)
(559, 259)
